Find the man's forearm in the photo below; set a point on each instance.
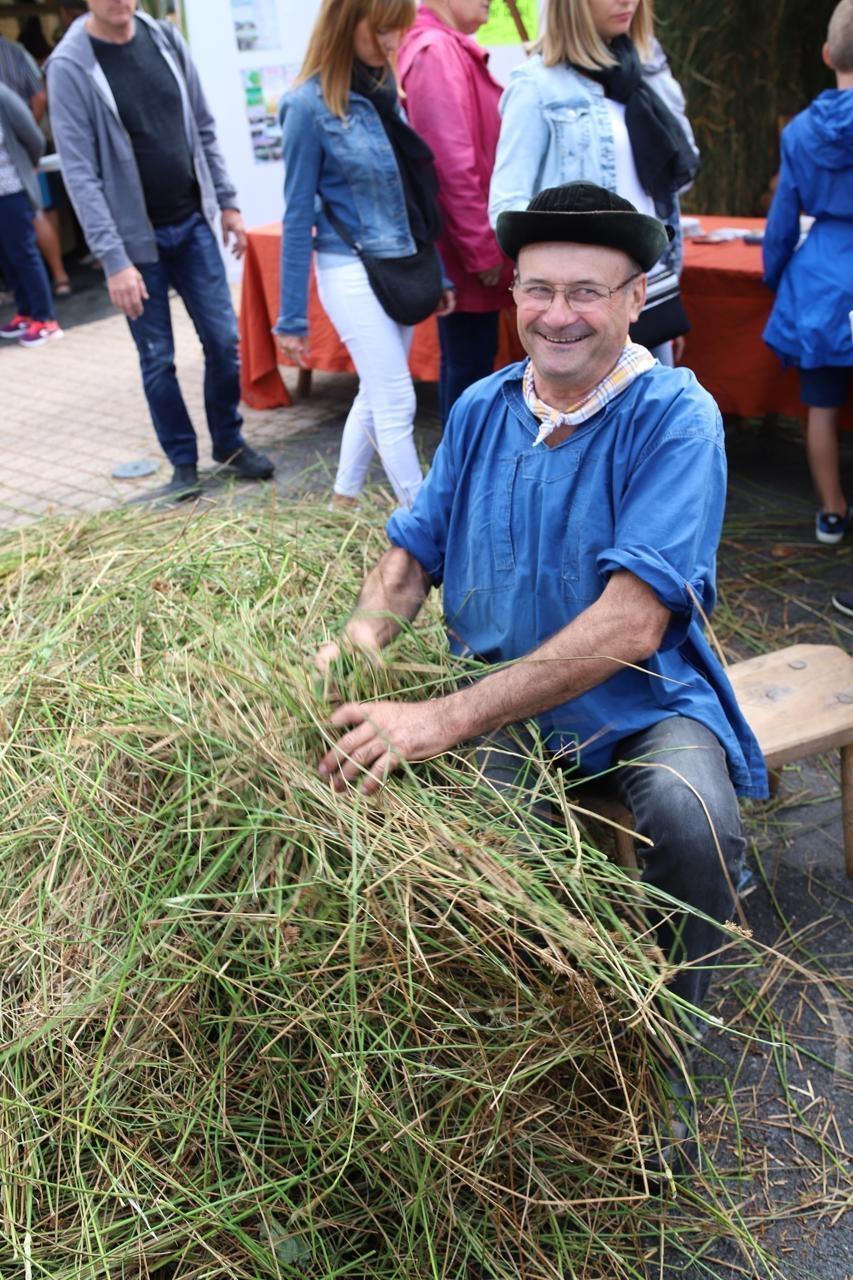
(393, 593)
(624, 626)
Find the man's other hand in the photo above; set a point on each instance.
(384, 735)
(234, 229)
(359, 638)
(128, 292)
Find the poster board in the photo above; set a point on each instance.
(248, 53)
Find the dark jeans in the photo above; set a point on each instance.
(469, 344)
(683, 800)
(190, 262)
(20, 260)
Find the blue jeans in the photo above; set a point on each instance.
(697, 844)
(469, 344)
(21, 261)
(189, 262)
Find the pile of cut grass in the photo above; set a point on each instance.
(252, 1029)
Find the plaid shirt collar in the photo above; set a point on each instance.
(633, 361)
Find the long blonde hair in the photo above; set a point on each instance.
(570, 35)
(330, 49)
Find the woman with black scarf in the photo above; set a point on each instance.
(359, 183)
(597, 101)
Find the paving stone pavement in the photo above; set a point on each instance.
(71, 410)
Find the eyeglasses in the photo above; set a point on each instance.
(539, 295)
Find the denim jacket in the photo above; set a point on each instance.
(555, 128)
(350, 166)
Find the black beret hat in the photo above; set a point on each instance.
(583, 213)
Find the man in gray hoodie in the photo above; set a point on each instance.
(142, 167)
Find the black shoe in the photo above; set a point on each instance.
(843, 602)
(247, 463)
(183, 484)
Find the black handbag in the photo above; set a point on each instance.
(663, 317)
(407, 289)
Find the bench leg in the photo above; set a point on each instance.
(847, 805)
(625, 853)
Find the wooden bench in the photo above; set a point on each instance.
(799, 702)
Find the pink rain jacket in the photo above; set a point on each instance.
(452, 101)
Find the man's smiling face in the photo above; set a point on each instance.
(573, 351)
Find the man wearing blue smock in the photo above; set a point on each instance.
(572, 517)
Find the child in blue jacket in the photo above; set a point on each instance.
(810, 325)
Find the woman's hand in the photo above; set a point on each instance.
(447, 304)
(678, 345)
(491, 277)
(294, 347)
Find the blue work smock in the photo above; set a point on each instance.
(524, 538)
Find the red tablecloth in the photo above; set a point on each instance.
(728, 307)
(727, 303)
(262, 387)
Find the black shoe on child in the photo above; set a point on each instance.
(183, 485)
(247, 463)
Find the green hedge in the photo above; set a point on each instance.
(742, 64)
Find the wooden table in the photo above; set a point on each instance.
(723, 293)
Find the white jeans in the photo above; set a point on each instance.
(382, 413)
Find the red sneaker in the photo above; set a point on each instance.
(39, 331)
(16, 326)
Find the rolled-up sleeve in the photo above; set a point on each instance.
(669, 524)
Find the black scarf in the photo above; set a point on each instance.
(414, 158)
(665, 163)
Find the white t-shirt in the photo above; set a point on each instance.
(628, 183)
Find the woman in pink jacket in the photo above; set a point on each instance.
(452, 102)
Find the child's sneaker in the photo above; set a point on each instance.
(843, 601)
(40, 331)
(16, 326)
(830, 528)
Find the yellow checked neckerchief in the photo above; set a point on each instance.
(633, 361)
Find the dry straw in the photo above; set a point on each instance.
(249, 1028)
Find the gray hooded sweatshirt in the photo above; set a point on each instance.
(98, 164)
